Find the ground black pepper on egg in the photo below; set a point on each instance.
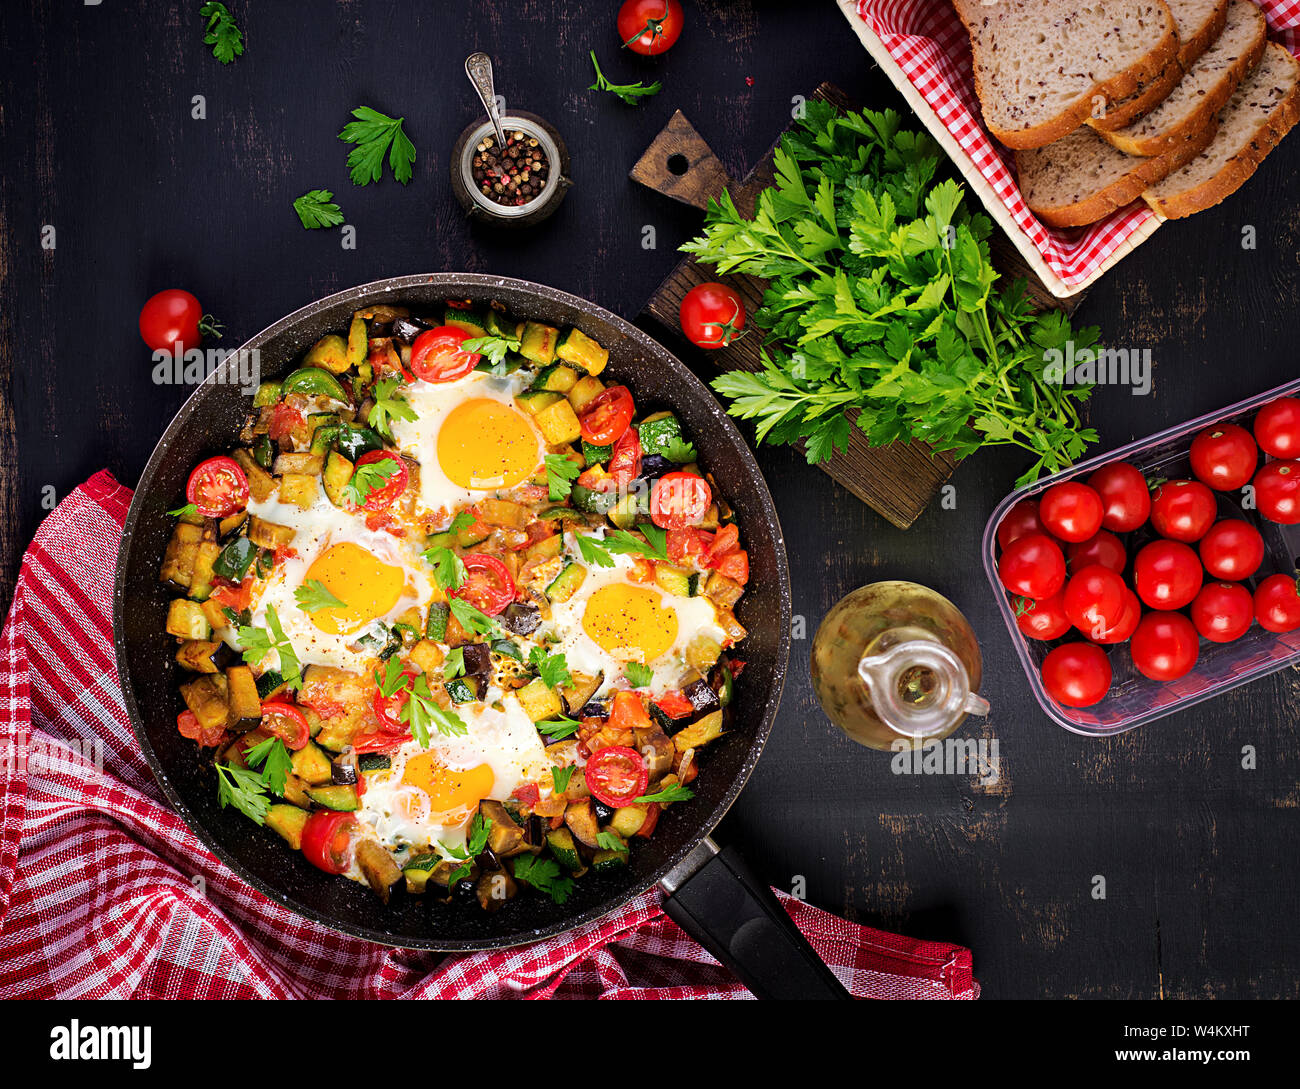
(513, 177)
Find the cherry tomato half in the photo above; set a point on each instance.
(1277, 492)
(282, 719)
(625, 460)
(617, 775)
(1033, 566)
(488, 585)
(173, 320)
(1165, 646)
(1183, 510)
(383, 497)
(1020, 520)
(609, 414)
(1223, 612)
(1224, 457)
(689, 545)
(1094, 600)
(388, 709)
(1277, 604)
(1232, 550)
(1077, 674)
(650, 27)
(1277, 428)
(712, 315)
(1102, 547)
(218, 487)
(436, 355)
(1125, 497)
(1044, 619)
(1071, 511)
(1167, 575)
(327, 840)
(678, 500)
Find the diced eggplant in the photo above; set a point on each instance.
(343, 769)
(653, 466)
(270, 535)
(182, 551)
(241, 694)
(505, 837)
(478, 659)
(602, 811)
(494, 889)
(656, 748)
(407, 328)
(580, 692)
(702, 697)
(521, 618)
(206, 697)
(580, 819)
(377, 865)
(200, 656)
(187, 620)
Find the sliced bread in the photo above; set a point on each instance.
(1205, 89)
(1200, 22)
(1123, 112)
(1259, 114)
(1040, 64)
(1081, 178)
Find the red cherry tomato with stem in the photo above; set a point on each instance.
(1223, 611)
(1165, 646)
(1044, 619)
(650, 27)
(1277, 492)
(1077, 674)
(712, 316)
(1125, 497)
(1183, 510)
(1224, 457)
(218, 487)
(1033, 566)
(173, 320)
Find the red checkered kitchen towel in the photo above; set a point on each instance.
(104, 892)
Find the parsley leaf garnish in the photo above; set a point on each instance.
(552, 668)
(674, 793)
(560, 474)
(181, 512)
(245, 790)
(638, 675)
(375, 135)
(544, 875)
(454, 664)
(449, 569)
(592, 551)
(623, 542)
(312, 596)
(272, 756)
(369, 478)
(472, 619)
(558, 728)
(316, 208)
(258, 643)
(560, 778)
(610, 841)
(631, 93)
(475, 843)
(388, 406)
(678, 449)
(222, 34)
(494, 347)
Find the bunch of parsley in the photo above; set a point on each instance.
(883, 308)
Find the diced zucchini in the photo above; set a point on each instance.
(355, 441)
(330, 352)
(263, 451)
(295, 791)
(435, 627)
(579, 349)
(461, 690)
(592, 502)
(566, 583)
(502, 512)
(299, 490)
(500, 324)
(269, 685)
(241, 692)
(595, 455)
(604, 861)
(561, 845)
(231, 524)
(624, 513)
(545, 549)
(539, 703)
(559, 424)
(312, 766)
(358, 343)
(533, 401)
(323, 439)
(317, 381)
(338, 471)
(337, 796)
(267, 394)
(206, 697)
(673, 580)
(628, 819)
(233, 561)
(707, 729)
(289, 821)
(538, 342)
(270, 535)
(185, 620)
(468, 320)
(558, 378)
(201, 579)
(584, 391)
(701, 653)
(722, 591)
(181, 554)
(374, 761)
(659, 433)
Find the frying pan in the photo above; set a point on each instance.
(710, 892)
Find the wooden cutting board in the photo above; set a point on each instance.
(897, 481)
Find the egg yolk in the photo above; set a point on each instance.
(453, 793)
(624, 619)
(366, 587)
(484, 444)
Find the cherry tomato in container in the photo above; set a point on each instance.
(1125, 626)
(1102, 547)
(678, 500)
(327, 840)
(616, 775)
(1277, 492)
(1071, 511)
(283, 720)
(1094, 599)
(436, 354)
(218, 487)
(1020, 520)
(1232, 550)
(1277, 604)
(488, 585)
(609, 414)
(173, 320)
(1044, 619)
(650, 27)
(1224, 457)
(1033, 566)
(1277, 428)
(1167, 575)
(1125, 497)
(1223, 611)
(1165, 646)
(712, 316)
(1077, 674)
(1183, 510)
(382, 497)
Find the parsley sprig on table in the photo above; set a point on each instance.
(316, 208)
(377, 135)
(883, 308)
(631, 93)
(221, 33)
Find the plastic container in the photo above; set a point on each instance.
(1134, 700)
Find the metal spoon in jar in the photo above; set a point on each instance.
(478, 66)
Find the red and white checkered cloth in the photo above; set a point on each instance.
(104, 892)
(929, 44)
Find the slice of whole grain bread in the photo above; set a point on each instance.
(1108, 116)
(1200, 22)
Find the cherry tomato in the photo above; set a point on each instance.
(382, 497)
(628, 712)
(1277, 492)
(1094, 599)
(617, 775)
(1232, 550)
(625, 460)
(712, 315)
(1167, 575)
(1223, 612)
(381, 741)
(1124, 627)
(678, 500)
(609, 414)
(1071, 511)
(735, 566)
(650, 27)
(1033, 566)
(388, 709)
(218, 487)
(285, 420)
(1077, 674)
(488, 585)
(1165, 646)
(686, 546)
(1102, 547)
(1183, 510)
(1044, 619)
(1224, 457)
(436, 355)
(674, 705)
(1125, 497)
(1020, 520)
(173, 320)
(283, 720)
(327, 840)
(1277, 428)
(1277, 604)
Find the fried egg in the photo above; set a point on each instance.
(429, 796)
(470, 439)
(612, 620)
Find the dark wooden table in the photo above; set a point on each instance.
(1198, 853)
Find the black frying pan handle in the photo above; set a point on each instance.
(735, 916)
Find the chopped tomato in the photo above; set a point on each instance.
(643, 570)
(327, 840)
(628, 712)
(678, 500)
(608, 416)
(234, 597)
(675, 705)
(652, 811)
(379, 742)
(285, 419)
(188, 724)
(488, 585)
(686, 546)
(527, 795)
(388, 709)
(596, 479)
(218, 487)
(735, 565)
(283, 720)
(625, 461)
(726, 540)
(617, 775)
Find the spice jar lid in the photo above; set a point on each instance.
(539, 206)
